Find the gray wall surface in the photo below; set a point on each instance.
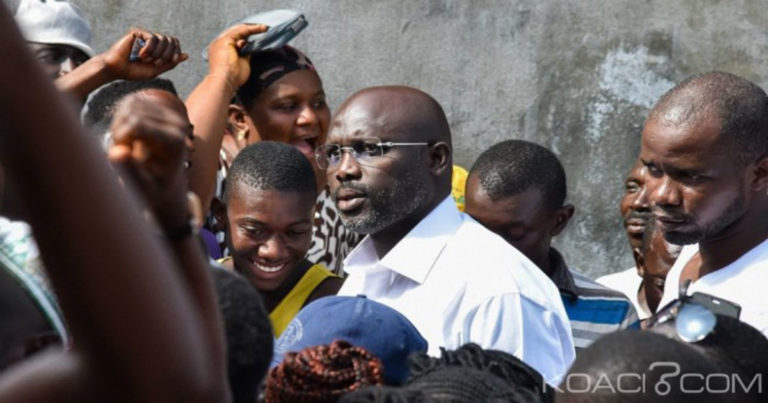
(575, 76)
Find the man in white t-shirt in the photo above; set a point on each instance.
(388, 161)
(705, 144)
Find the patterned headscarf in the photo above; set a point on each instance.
(270, 66)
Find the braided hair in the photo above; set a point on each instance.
(503, 365)
(323, 373)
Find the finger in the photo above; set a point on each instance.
(242, 31)
(146, 52)
(162, 45)
(118, 154)
(176, 50)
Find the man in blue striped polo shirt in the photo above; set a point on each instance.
(517, 189)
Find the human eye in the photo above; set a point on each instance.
(653, 170)
(50, 56)
(332, 151)
(318, 103)
(692, 176)
(297, 232)
(286, 106)
(632, 187)
(514, 236)
(370, 148)
(253, 231)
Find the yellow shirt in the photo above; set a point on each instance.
(284, 312)
(458, 182)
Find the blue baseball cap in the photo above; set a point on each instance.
(383, 331)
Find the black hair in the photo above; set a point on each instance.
(503, 365)
(248, 333)
(599, 373)
(741, 106)
(271, 165)
(738, 348)
(102, 105)
(268, 66)
(454, 384)
(511, 167)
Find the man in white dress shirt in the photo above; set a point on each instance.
(705, 145)
(388, 160)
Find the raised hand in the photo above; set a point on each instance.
(159, 54)
(151, 142)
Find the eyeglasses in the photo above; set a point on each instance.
(365, 151)
(694, 315)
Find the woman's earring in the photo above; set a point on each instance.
(241, 134)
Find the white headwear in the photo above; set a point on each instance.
(54, 22)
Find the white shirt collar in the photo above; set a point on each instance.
(415, 254)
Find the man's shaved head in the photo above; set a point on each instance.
(739, 105)
(417, 114)
(402, 184)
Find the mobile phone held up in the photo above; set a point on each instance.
(283, 25)
(138, 43)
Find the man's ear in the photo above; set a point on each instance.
(562, 217)
(439, 158)
(760, 170)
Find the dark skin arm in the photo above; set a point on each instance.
(159, 54)
(150, 146)
(208, 105)
(137, 334)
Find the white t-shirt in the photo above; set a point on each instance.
(628, 282)
(458, 282)
(742, 282)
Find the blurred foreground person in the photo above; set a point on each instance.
(248, 332)
(140, 334)
(634, 366)
(468, 374)
(381, 330)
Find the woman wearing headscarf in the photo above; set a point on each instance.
(274, 95)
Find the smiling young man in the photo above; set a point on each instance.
(270, 199)
(517, 189)
(388, 162)
(705, 144)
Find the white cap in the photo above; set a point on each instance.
(54, 22)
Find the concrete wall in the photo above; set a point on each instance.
(576, 76)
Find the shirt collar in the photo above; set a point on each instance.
(415, 254)
(561, 276)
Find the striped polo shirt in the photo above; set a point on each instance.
(593, 309)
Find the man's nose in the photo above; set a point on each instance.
(663, 192)
(348, 167)
(641, 201)
(274, 248)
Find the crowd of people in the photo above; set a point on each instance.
(246, 244)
